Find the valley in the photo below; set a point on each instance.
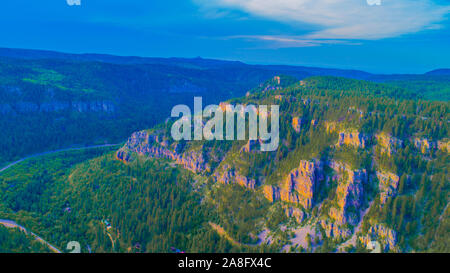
(357, 162)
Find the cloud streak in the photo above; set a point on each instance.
(332, 20)
(73, 2)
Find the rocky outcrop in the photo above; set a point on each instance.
(388, 185)
(93, 106)
(360, 176)
(299, 187)
(349, 194)
(297, 124)
(333, 230)
(153, 146)
(353, 138)
(295, 213)
(24, 107)
(424, 145)
(388, 144)
(272, 193)
(381, 234)
(229, 176)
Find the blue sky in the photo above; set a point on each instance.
(383, 36)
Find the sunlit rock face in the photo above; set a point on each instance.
(388, 185)
(388, 144)
(354, 138)
(153, 146)
(349, 193)
(381, 234)
(347, 137)
(26, 107)
(424, 145)
(296, 124)
(299, 186)
(334, 230)
(295, 213)
(228, 175)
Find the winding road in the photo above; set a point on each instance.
(12, 224)
(54, 152)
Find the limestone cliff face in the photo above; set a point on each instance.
(388, 144)
(388, 185)
(153, 146)
(381, 234)
(334, 230)
(347, 137)
(353, 138)
(228, 175)
(349, 194)
(424, 145)
(295, 213)
(299, 187)
(296, 124)
(272, 193)
(24, 107)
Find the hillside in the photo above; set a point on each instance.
(358, 161)
(51, 100)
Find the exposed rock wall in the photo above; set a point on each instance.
(388, 185)
(424, 145)
(229, 175)
(383, 235)
(349, 193)
(299, 187)
(353, 138)
(388, 144)
(24, 107)
(295, 213)
(150, 145)
(333, 230)
(297, 124)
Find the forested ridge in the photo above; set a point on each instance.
(150, 204)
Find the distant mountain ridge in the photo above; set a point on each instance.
(441, 72)
(201, 63)
(95, 97)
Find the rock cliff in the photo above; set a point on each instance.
(299, 187)
(381, 234)
(388, 185)
(353, 138)
(349, 194)
(228, 175)
(388, 144)
(151, 145)
(297, 124)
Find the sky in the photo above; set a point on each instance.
(379, 36)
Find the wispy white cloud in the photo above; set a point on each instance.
(291, 41)
(340, 19)
(74, 2)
